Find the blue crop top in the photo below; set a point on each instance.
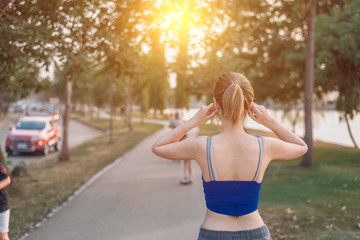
(234, 198)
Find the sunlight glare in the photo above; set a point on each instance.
(175, 17)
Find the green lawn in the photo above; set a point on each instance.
(322, 202)
(51, 182)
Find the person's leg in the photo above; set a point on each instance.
(187, 165)
(189, 169)
(185, 171)
(4, 225)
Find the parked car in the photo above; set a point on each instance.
(39, 107)
(33, 134)
(31, 106)
(19, 107)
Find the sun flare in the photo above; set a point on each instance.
(176, 17)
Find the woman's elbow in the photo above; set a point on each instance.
(304, 149)
(7, 181)
(155, 150)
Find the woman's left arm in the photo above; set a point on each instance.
(169, 146)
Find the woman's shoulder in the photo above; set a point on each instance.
(267, 141)
(200, 141)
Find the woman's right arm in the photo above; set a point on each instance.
(5, 182)
(288, 146)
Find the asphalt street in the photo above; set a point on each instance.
(138, 197)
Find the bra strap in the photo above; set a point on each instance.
(213, 167)
(208, 154)
(260, 158)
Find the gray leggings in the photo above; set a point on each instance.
(261, 233)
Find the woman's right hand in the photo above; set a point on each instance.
(259, 114)
(204, 114)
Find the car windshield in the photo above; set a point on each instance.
(30, 125)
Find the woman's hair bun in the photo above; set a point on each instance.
(234, 94)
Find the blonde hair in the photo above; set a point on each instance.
(234, 94)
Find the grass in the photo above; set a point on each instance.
(322, 202)
(138, 114)
(51, 182)
(99, 123)
(159, 116)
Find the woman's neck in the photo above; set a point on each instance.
(228, 127)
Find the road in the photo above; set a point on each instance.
(78, 133)
(138, 198)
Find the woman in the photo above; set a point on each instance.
(232, 162)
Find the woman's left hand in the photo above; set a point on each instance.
(204, 114)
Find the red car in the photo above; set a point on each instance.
(33, 134)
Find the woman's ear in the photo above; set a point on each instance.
(217, 107)
(215, 104)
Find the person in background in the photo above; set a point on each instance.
(232, 162)
(4, 203)
(174, 122)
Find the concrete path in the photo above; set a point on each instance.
(138, 198)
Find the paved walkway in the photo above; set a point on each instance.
(138, 198)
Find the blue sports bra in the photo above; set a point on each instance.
(234, 198)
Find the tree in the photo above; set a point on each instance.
(337, 62)
(267, 42)
(80, 20)
(157, 74)
(193, 15)
(119, 49)
(70, 69)
(309, 82)
(23, 48)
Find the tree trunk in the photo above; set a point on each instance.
(111, 111)
(142, 113)
(82, 105)
(309, 82)
(65, 153)
(350, 132)
(1, 107)
(128, 102)
(294, 121)
(129, 121)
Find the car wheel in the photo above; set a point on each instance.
(46, 150)
(9, 152)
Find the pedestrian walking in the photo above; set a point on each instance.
(174, 122)
(4, 204)
(232, 162)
